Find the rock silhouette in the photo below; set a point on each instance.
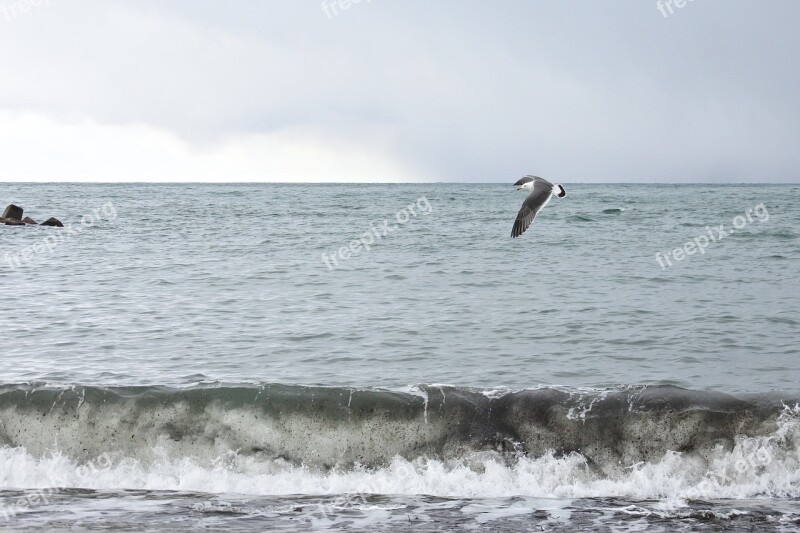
(12, 216)
(12, 212)
(52, 221)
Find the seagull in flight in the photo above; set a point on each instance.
(541, 191)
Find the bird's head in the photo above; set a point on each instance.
(527, 187)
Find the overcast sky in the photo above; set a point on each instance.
(399, 90)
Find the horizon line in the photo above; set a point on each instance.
(378, 183)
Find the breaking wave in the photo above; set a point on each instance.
(641, 442)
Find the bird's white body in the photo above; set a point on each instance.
(558, 190)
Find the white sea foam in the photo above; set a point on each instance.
(766, 466)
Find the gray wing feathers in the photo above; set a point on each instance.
(527, 179)
(531, 206)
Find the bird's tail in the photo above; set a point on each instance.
(561, 192)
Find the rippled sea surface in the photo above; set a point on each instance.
(212, 282)
(155, 288)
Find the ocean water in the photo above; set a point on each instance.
(386, 357)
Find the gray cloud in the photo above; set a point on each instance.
(458, 90)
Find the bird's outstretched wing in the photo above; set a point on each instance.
(526, 179)
(536, 200)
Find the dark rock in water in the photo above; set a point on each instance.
(13, 212)
(11, 221)
(52, 222)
